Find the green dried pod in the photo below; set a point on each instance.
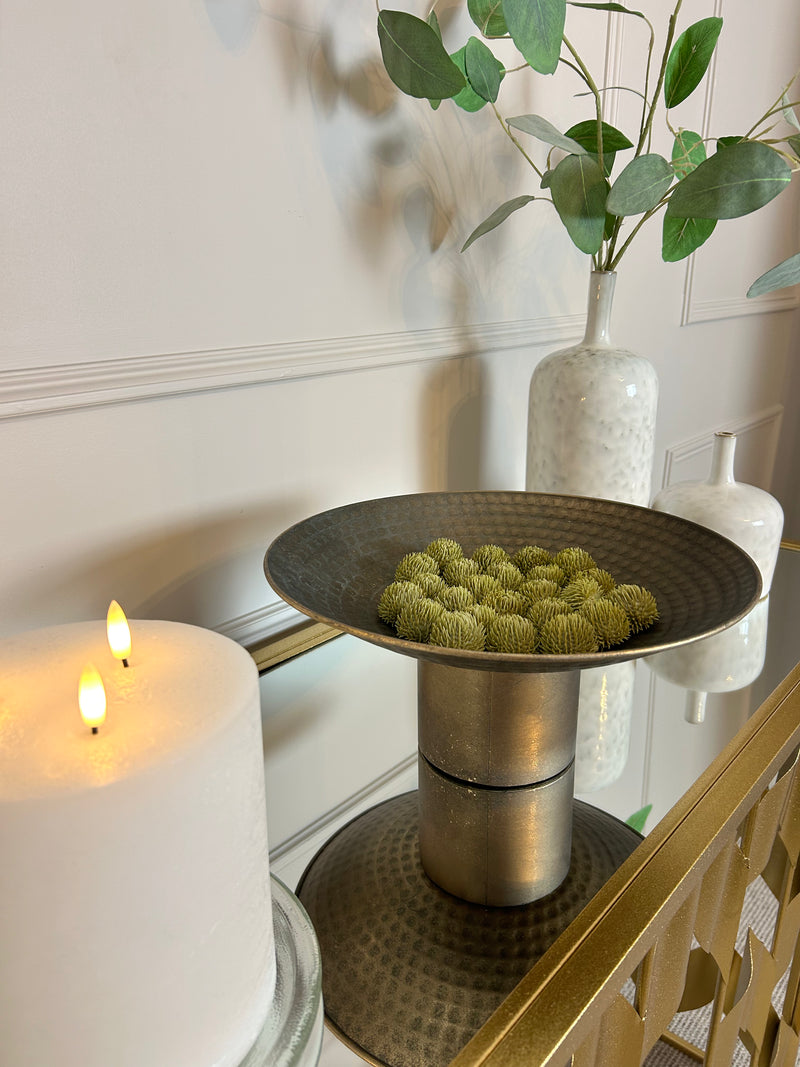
(551, 572)
(603, 578)
(482, 585)
(484, 614)
(541, 611)
(394, 598)
(444, 549)
(506, 602)
(608, 620)
(414, 565)
(573, 560)
(486, 554)
(509, 576)
(416, 619)
(458, 629)
(430, 584)
(579, 590)
(529, 557)
(567, 635)
(457, 571)
(638, 603)
(456, 598)
(511, 633)
(537, 589)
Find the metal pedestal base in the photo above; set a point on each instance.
(411, 972)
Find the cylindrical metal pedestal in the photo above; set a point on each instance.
(496, 781)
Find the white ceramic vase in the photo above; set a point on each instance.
(749, 516)
(592, 413)
(591, 429)
(753, 519)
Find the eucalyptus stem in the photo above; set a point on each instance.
(645, 218)
(597, 99)
(514, 140)
(661, 75)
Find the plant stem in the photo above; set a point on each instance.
(597, 100)
(514, 141)
(661, 75)
(647, 215)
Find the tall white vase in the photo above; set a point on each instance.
(591, 430)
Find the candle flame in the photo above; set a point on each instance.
(119, 634)
(92, 697)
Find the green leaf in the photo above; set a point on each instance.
(639, 818)
(640, 186)
(547, 179)
(585, 133)
(467, 99)
(731, 183)
(786, 273)
(433, 22)
(689, 59)
(415, 58)
(794, 144)
(499, 215)
(546, 131)
(789, 113)
(537, 27)
(688, 152)
(579, 191)
(680, 237)
(608, 7)
(488, 17)
(484, 72)
(726, 142)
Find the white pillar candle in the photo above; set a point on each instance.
(135, 908)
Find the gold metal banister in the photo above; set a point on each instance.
(684, 884)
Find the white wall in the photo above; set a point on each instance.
(232, 297)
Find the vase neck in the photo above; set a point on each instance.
(722, 459)
(598, 317)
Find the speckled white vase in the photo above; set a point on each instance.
(747, 515)
(591, 428)
(721, 663)
(592, 413)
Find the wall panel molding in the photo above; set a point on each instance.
(76, 386)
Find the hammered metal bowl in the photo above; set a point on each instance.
(335, 565)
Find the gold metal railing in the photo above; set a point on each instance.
(668, 920)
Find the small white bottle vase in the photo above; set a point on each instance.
(753, 519)
(749, 516)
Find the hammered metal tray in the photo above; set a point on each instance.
(334, 565)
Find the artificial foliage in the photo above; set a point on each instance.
(604, 184)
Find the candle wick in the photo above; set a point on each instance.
(125, 663)
(94, 729)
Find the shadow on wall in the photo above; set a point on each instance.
(206, 572)
(452, 426)
(787, 462)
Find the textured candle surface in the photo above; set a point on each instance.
(135, 912)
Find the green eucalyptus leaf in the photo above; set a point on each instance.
(688, 152)
(726, 142)
(547, 179)
(794, 145)
(537, 27)
(415, 58)
(585, 133)
(680, 237)
(639, 818)
(789, 113)
(786, 273)
(545, 131)
(488, 17)
(689, 59)
(467, 99)
(640, 186)
(433, 22)
(579, 191)
(499, 215)
(731, 183)
(608, 229)
(484, 72)
(608, 7)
